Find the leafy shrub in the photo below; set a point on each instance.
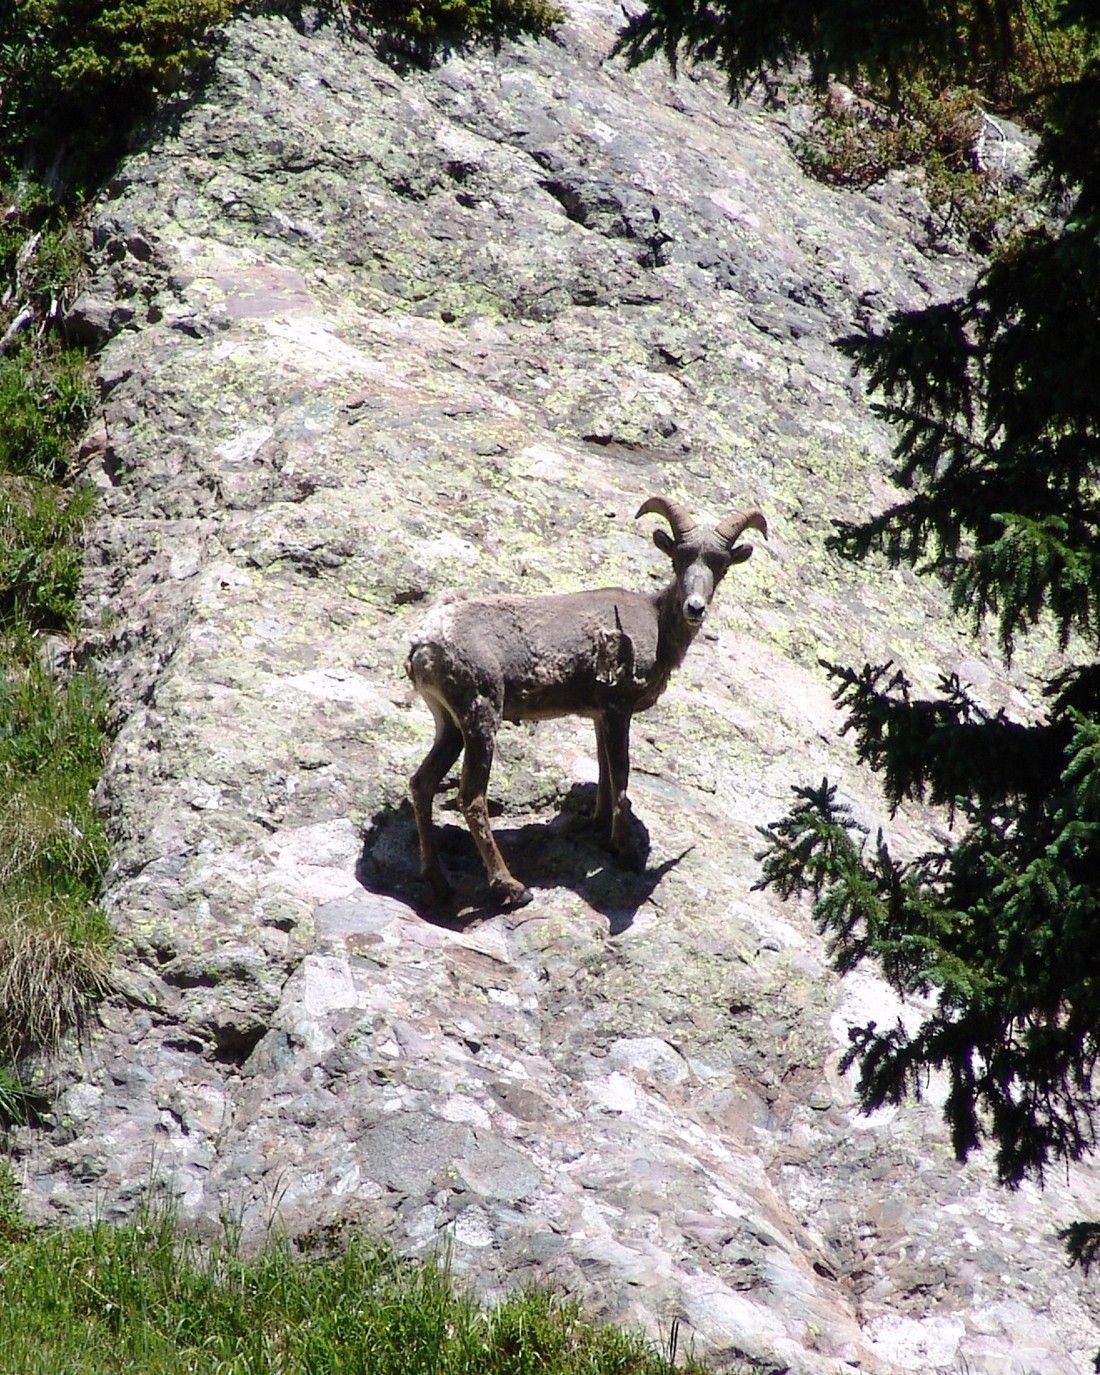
(423, 29)
(855, 141)
(75, 74)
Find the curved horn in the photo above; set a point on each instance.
(679, 517)
(731, 528)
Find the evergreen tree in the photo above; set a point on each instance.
(995, 403)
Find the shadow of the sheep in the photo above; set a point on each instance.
(562, 852)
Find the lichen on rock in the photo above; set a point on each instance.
(377, 338)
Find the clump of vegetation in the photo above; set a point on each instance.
(54, 940)
(424, 30)
(941, 119)
(142, 1297)
(856, 140)
(46, 400)
(74, 75)
(447, 18)
(13, 1225)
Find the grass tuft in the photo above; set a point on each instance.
(148, 1298)
(53, 939)
(48, 982)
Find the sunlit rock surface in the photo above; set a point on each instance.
(374, 336)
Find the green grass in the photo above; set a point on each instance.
(53, 938)
(41, 552)
(146, 1298)
(46, 399)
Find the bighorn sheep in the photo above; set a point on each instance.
(604, 654)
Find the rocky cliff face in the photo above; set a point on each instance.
(373, 336)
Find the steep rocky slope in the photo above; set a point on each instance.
(374, 335)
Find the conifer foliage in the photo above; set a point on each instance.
(994, 399)
(74, 74)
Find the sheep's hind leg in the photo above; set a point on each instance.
(472, 797)
(424, 785)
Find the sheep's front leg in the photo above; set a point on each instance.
(472, 796)
(605, 795)
(613, 735)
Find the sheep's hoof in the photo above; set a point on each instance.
(509, 892)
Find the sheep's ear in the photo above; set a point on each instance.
(664, 542)
(739, 553)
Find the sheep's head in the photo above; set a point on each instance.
(700, 557)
